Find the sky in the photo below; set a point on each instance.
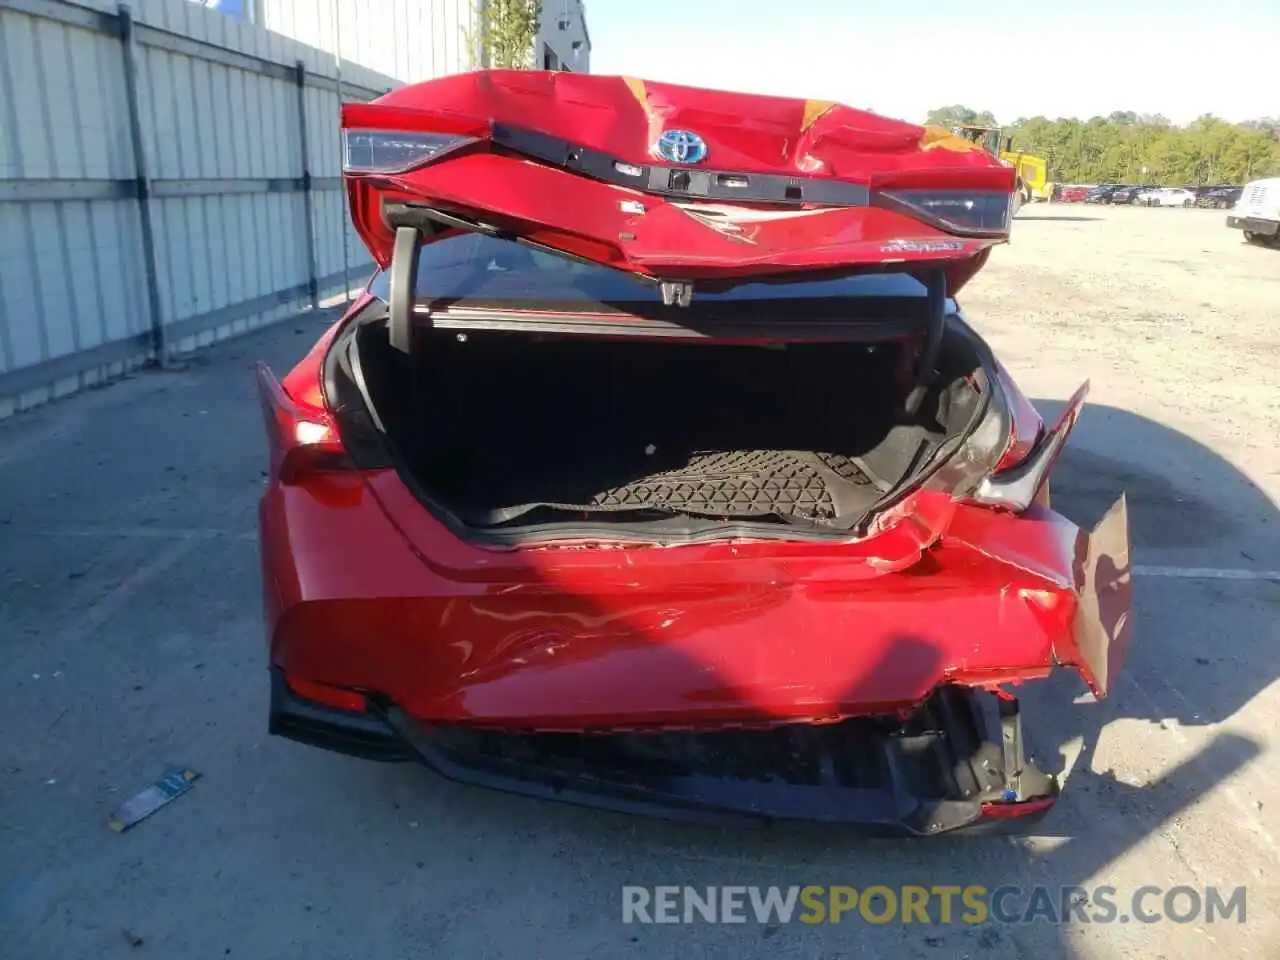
(1179, 58)
(233, 8)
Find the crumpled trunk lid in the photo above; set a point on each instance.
(673, 182)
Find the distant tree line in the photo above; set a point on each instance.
(1125, 144)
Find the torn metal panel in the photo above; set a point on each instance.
(1084, 596)
(1104, 588)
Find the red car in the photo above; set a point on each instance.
(1075, 194)
(658, 469)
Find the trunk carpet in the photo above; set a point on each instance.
(740, 484)
(498, 428)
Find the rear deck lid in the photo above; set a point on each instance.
(670, 182)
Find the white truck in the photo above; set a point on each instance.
(1257, 212)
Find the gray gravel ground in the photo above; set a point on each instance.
(129, 624)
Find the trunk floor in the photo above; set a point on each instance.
(584, 428)
(742, 484)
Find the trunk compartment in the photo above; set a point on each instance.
(640, 373)
(505, 429)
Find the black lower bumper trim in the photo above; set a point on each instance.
(929, 776)
(364, 735)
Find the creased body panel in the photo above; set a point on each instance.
(746, 132)
(1090, 571)
(695, 636)
(574, 163)
(611, 225)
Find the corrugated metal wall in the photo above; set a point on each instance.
(222, 196)
(413, 40)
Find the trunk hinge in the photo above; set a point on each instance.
(676, 293)
(935, 324)
(403, 288)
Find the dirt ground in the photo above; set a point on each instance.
(130, 637)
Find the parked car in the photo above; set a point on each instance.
(1166, 197)
(1257, 213)
(1219, 198)
(586, 498)
(1124, 195)
(1101, 194)
(1074, 194)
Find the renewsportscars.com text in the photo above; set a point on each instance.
(936, 904)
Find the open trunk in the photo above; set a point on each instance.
(613, 317)
(587, 326)
(506, 430)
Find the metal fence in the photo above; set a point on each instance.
(169, 176)
(410, 39)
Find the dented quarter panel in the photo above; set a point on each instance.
(619, 636)
(1087, 577)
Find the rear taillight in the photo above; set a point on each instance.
(977, 456)
(1006, 459)
(1026, 427)
(1016, 487)
(394, 151)
(981, 213)
(302, 438)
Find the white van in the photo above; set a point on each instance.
(1257, 212)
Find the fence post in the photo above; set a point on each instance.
(342, 185)
(308, 199)
(129, 47)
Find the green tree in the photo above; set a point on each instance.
(505, 34)
(1145, 148)
(959, 115)
(1268, 125)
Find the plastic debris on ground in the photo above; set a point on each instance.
(175, 782)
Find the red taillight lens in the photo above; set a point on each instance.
(1026, 426)
(302, 438)
(336, 697)
(1013, 810)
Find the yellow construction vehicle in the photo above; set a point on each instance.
(1033, 171)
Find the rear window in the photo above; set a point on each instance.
(476, 270)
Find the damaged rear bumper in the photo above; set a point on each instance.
(777, 681)
(955, 764)
(697, 636)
